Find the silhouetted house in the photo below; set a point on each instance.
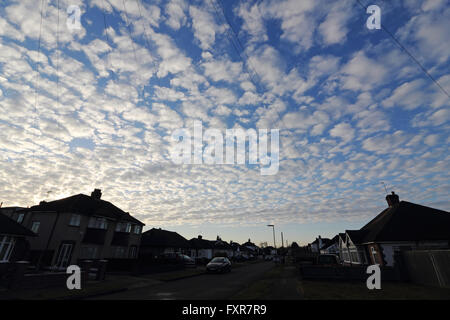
(201, 248)
(331, 246)
(318, 244)
(14, 245)
(249, 249)
(402, 226)
(405, 226)
(222, 248)
(155, 242)
(269, 251)
(80, 227)
(236, 247)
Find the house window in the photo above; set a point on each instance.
(137, 229)
(132, 252)
(346, 256)
(89, 252)
(123, 227)
(354, 256)
(374, 255)
(75, 220)
(6, 247)
(98, 223)
(35, 226)
(20, 217)
(120, 252)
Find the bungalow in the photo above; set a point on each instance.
(404, 226)
(201, 248)
(249, 249)
(318, 244)
(79, 227)
(222, 248)
(155, 242)
(14, 245)
(331, 246)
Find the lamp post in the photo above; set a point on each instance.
(273, 227)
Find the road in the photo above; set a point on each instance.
(203, 287)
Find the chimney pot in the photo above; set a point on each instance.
(392, 199)
(96, 194)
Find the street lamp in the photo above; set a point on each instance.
(273, 226)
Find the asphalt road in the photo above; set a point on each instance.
(205, 287)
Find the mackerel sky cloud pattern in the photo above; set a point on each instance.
(95, 107)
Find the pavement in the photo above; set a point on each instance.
(200, 287)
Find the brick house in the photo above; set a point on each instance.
(77, 228)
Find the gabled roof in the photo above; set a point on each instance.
(163, 238)
(10, 227)
(86, 205)
(329, 243)
(408, 221)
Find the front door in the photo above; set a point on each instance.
(64, 255)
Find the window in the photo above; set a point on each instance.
(374, 255)
(354, 256)
(132, 253)
(75, 220)
(137, 229)
(20, 217)
(6, 247)
(120, 252)
(98, 223)
(89, 252)
(123, 227)
(35, 226)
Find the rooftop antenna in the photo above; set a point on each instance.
(385, 189)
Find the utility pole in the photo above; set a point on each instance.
(274, 243)
(282, 241)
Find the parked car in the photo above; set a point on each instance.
(187, 261)
(268, 258)
(219, 264)
(327, 260)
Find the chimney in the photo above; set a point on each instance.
(96, 194)
(392, 199)
(200, 237)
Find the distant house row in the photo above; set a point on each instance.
(156, 242)
(59, 233)
(401, 226)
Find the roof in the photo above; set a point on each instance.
(86, 205)
(163, 238)
(201, 243)
(219, 244)
(357, 236)
(10, 227)
(408, 221)
(329, 243)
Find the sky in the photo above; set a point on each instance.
(95, 107)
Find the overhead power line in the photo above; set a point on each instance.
(409, 54)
